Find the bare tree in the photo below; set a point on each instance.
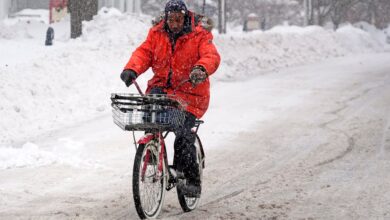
(323, 10)
(375, 12)
(270, 12)
(81, 11)
(275, 12)
(379, 13)
(339, 9)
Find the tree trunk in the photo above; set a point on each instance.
(339, 10)
(323, 10)
(81, 11)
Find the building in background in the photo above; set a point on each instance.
(252, 22)
(58, 10)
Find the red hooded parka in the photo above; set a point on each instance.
(192, 49)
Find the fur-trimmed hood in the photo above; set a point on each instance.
(205, 22)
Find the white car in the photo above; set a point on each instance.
(30, 15)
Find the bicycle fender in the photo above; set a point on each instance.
(201, 150)
(146, 139)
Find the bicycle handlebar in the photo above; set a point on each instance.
(174, 91)
(138, 88)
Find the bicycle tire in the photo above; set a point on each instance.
(188, 204)
(144, 210)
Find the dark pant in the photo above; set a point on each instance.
(185, 151)
(184, 159)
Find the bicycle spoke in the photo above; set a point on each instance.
(151, 183)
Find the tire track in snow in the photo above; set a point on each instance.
(351, 144)
(351, 141)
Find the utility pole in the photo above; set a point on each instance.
(308, 5)
(222, 16)
(203, 7)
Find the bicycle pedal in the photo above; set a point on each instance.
(170, 186)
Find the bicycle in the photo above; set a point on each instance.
(158, 115)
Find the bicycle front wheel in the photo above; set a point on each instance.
(148, 182)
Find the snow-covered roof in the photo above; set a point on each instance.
(252, 15)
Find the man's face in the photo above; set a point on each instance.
(175, 22)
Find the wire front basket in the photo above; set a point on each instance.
(133, 112)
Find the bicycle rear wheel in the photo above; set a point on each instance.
(190, 203)
(148, 184)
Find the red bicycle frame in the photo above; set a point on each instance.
(161, 154)
(158, 137)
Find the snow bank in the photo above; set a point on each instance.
(67, 152)
(46, 88)
(71, 81)
(379, 35)
(281, 47)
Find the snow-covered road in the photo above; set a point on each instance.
(310, 142)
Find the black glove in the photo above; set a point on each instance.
(198, 75)
(128, 76)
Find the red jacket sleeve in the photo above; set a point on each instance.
(209, 56)
(141, 59)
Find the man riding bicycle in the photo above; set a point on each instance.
(179, 48)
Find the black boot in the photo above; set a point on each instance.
(185, 158)
(193, 188)
(191, 172)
